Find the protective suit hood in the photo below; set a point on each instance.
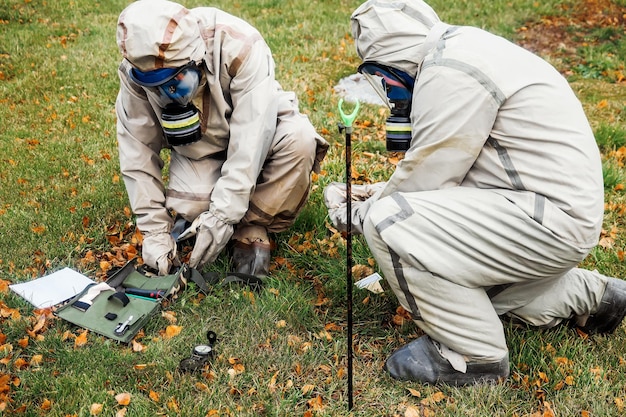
(392, 32)
(154, 34)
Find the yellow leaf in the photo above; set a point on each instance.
(81, 339)
(250, 296)
(38, 229)
(201, 386)
(154, 396)
(411, 412)
(415, 392)
(619, 403)
(123, 398)
(121, 412)
(95, 409)
(561, 360)
(281, 323)
(316, 403)
(137, 347)
(46, 405)
(172, 404)
(36, 360)
(20, 363)
(307, 388)
(172, 330)
(272, 384)
(23, 342)
(170, 316)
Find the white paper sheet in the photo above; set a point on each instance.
(52, 289)
(371, 283)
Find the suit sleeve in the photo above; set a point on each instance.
(253, 121)
(140, 140)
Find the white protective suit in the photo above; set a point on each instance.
(253, 162)
(500, 195)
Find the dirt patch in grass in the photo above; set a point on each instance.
(560, 37)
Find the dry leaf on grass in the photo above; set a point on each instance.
(123, 398)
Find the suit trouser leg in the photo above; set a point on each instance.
(442, 250)
(284, 183)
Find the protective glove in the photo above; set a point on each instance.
(159, 252)
(212, 235)
(335, 192)
(363, 196)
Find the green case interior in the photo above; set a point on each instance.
(94, 318)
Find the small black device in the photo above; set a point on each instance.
(200, 355)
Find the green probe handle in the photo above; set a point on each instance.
(348, 118)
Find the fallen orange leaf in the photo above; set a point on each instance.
(38, 229)
(411, 412)
(415, 392)
(154, 396)
(201, 386)
(172, 330)
(46, 405)
(23, 342)
(172, 404)
(123, 398)
(81, 339)
(95, 409)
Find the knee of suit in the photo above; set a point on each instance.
(298, 144)
(373, 238)
(187, 208)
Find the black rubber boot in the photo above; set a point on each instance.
(611, 311)
(251, 258)
(420, 361)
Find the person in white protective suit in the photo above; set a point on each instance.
(497, 200)
(201, 83)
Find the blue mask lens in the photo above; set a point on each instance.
(183, 86)
(397, 85)
(170, 85)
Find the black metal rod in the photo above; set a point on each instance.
(349, 257)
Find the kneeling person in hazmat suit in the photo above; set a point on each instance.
(201, 83)
(499, 196)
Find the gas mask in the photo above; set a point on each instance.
(395, 88)
(173, 89)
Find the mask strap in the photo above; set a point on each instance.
(436, 32)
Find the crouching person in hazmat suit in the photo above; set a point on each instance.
(201, 83)
(497, 200)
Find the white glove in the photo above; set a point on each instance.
(363, 196)
(159, 252)
(335, 192)
(212, 235)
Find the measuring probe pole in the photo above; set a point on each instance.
(347, 125)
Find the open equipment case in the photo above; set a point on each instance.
(122, 306)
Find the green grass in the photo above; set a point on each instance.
(61, 195)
